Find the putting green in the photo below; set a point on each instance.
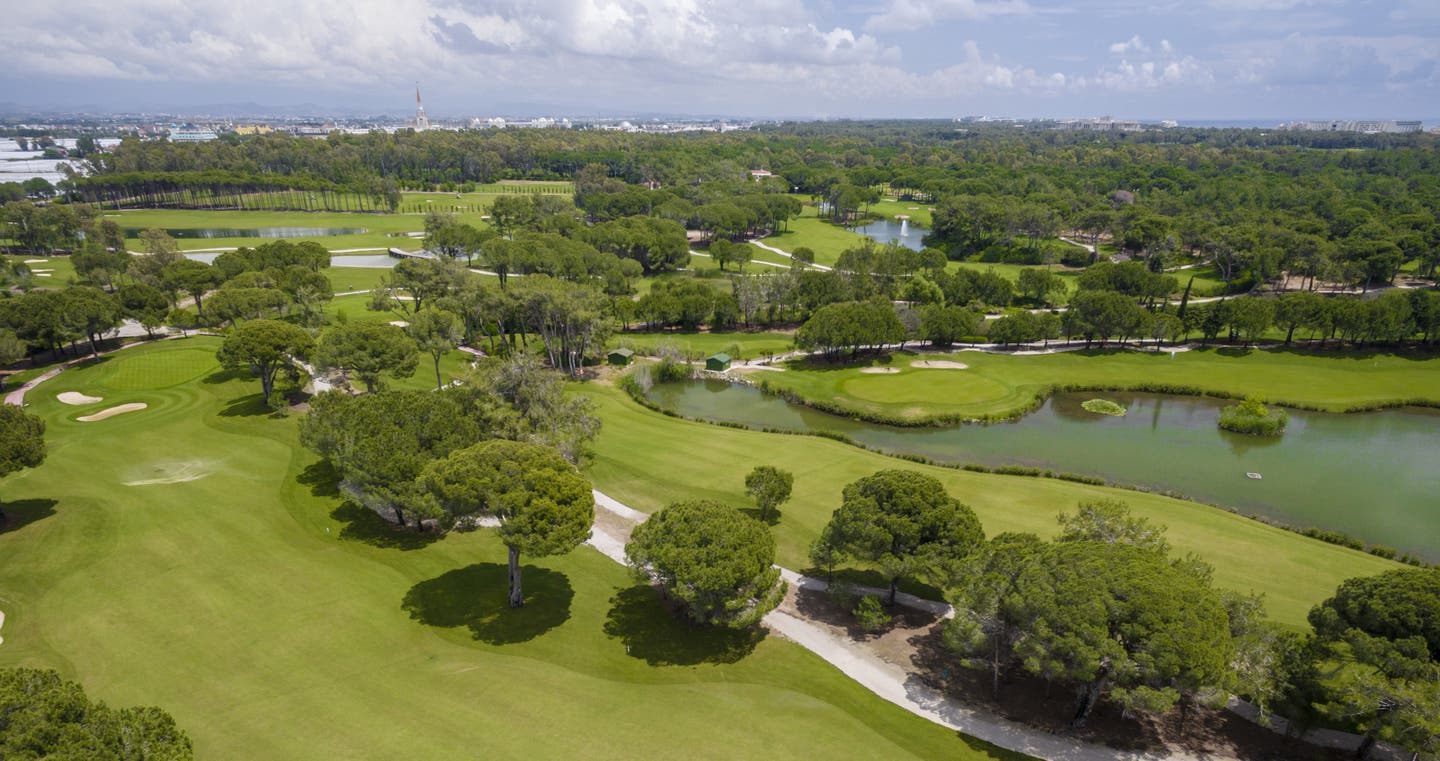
(192, 556)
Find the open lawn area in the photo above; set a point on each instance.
(828, 241)
(919, 213)
(998, 384)
(647, 460)
(192, 556)
(381, 230)
(53, 272)
(752, 345)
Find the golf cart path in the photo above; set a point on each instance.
(892, 682)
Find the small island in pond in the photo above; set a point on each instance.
(1104, 407)
(1252, 418)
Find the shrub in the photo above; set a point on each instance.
(870, 614)
(1252, 418)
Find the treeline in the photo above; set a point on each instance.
(1255, 206)
(220, 189)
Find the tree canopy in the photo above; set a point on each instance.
(264, 347)
(717, 562)
(44, 716)
(22, 439)
(544, 505)
(906, 524)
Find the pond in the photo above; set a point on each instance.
(887, 230)
(250, 232)
(1373, 475)
(373, 261)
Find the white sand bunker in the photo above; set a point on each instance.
(761, 368)
(75, 397)
(2, 625)
(112, 412)
(879, 370)
(176, 472)
(36, 261)
(939, 364)
(400, 323)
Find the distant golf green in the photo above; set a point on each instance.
(191, 555)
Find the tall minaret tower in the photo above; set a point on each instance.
(422, 122)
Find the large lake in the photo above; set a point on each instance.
(369, 261)
(1373, 475)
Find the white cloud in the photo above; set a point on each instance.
(1142, 68)
(908, 15)
(1132, 45)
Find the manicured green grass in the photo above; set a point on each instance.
(347, 279)
(379, 227)
(59, 269)
(998, 384)
(827, 240)
(647, 460)
(752, 345)
(1207, 280)
(277, 621)
(918, 213)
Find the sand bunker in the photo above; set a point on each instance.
(879, 370)
(112, 412)
(75, 397)
(2, 624)
(400, 323)
(939, 364)
(42, 274)
(175, 472)
(36, 261)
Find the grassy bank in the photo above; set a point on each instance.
(647, 460)
(999, 385)
(192, 556)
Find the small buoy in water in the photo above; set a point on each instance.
(1255, 476)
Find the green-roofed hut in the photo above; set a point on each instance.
(718, 362)
(620, 357)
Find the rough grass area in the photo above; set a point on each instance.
(998, 385)
(194, 557)
(647, 460)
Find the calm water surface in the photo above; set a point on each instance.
(369, 261)
(1374, 475)
(887, 230)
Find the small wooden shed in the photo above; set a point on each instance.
(620, 357)
(718, 362)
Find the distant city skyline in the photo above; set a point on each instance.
(1253, 60)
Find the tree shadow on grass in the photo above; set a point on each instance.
(322, 479)
(361, 524)
(754, 512)
(246, 406)
(662, 637)
(225, 376)
(475, 597)
(17, 515)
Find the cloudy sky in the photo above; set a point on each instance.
(1183, 59)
